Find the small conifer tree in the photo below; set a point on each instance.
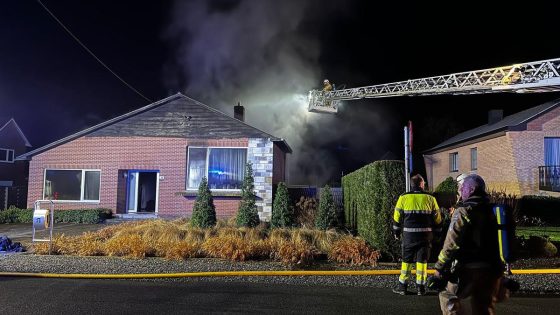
(282, 211)
(327, 210)
(204, 211)
(248, 215)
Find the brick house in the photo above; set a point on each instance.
(13, 173)
(518, 154)
(150, 162)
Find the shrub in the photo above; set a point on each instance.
(353, 251)
(86, 216)
(448, 186)
(306, 211)
(204, 211)
(537, 246)
(543, 207)
(326, 217)
(248, 215)
(370, 195)
(282, 211)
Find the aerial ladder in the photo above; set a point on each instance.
(530, 77)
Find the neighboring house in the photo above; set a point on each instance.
(518, 154)
(151, 161)
(13, 174)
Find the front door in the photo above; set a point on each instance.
(142, 191)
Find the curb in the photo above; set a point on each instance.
(238, 274)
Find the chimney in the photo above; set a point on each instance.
(495, 115)
(239, 112)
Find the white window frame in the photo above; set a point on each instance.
(206, 171)
(82, 185)
(451, 168)
(7, 160)
(474, 166)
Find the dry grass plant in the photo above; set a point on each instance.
(353, 251)
(178, 240)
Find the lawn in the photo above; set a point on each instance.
(553, 232)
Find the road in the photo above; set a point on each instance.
(70, 296)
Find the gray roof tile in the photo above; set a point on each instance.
(510, 122)
(177, 116)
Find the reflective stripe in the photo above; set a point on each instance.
(428, 211)
(428, 229)
(396, 227)
(500, 242)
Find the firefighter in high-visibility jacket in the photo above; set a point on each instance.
(415, 220)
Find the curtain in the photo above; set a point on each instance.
(91, 189)
(226, 168)
(551, 151)
(196, 167)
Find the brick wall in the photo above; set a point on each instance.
(111, 154)
(529, 150)
(507, 163)
(495, 164)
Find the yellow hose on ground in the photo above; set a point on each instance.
(239, 274)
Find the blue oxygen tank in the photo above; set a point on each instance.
(504, 233)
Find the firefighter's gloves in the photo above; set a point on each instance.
(438, 281)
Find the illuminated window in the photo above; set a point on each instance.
(454, 162)
(474, 159)
(7, 155)
(223, 167)
(72, 185)
(551, 151)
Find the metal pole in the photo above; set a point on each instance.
(406, 164)
(51, 226)
(5, 199)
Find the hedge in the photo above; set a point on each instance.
(370, 195)
(88, 216)
(544, 207)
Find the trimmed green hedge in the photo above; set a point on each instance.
(88, 216)
(370, 195)
(544, 207)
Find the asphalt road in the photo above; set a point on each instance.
(70, 296)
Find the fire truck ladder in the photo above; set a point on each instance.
(530, 77)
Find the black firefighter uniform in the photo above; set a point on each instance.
(416, 218)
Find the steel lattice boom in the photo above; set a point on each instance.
(530, 77)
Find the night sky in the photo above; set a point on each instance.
(267, 55)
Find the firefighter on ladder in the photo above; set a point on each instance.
(327, 87)
(415, 219)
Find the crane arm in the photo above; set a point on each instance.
(530, 77)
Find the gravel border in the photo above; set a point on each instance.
(25, 262)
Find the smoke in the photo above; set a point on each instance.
(261, 53)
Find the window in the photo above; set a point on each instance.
(72, 185)
(7, 155)
(223, 167)
(474, 159)
(551, 151)
(454, 162)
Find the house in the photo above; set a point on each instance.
(151, 161)
(13, 174)
(518, 154)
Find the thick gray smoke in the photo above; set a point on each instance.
(255, 52)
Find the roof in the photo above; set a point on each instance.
(516, 121)
(18, 129)
(177, 116)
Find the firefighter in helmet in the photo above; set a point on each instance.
(471, 252)
(327, 86)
